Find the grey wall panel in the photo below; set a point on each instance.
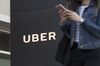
(29, 5)
(35, 22)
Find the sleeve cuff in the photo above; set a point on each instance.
(82, 20)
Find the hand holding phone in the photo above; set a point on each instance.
(62, 12)
(61, 7)
(67, 14)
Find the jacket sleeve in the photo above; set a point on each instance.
(92, 24)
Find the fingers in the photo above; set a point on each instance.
(60, 11)
(64, 15)
(63, 18)
(63, 12)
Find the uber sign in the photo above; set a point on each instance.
(39, 37)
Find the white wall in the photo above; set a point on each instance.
(5, 7)
(5, 10)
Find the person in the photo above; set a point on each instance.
(80, 44)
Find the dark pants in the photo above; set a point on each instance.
(81, 57)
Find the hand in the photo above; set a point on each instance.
(63, 16)
(68, 14)
(74, 16)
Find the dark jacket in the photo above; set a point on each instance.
(89, 34)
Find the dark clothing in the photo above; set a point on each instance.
(80, 57)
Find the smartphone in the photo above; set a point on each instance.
(60, 7)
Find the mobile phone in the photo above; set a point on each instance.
(60, 7)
